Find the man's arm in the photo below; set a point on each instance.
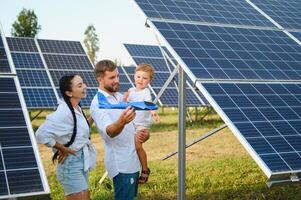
(115, 128)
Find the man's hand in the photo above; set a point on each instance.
(143, 135)
(127, 115)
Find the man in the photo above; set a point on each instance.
(118, 132)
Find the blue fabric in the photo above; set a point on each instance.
(71, 174)
(125, 186)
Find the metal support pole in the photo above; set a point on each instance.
(182, 136)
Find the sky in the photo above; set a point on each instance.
(116, 22)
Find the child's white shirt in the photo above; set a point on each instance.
(143, 118)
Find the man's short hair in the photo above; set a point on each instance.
(104, 65)
(146, 68)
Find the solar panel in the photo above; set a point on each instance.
(68, 57)
(21, 44)
(266, 119)
(285, 12)
(250, 75)
(32, 74)
(235, 12)
(4, 65)
(20, 171)
(226, 53)
(57, 46)
(152, 55)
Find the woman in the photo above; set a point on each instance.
(67, 131)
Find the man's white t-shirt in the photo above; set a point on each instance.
(143, 118)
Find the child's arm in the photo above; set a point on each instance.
(125, 96)
(90, 121)
(155, 116)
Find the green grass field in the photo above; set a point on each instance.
(216, 168)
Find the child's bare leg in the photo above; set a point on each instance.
(141, 154)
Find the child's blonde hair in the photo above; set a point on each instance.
(146, 68)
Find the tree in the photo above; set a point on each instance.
(26, 24)
(91, 42)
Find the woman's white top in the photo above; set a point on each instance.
(143, 118)
(58, 127)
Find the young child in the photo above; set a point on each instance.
(143, 75)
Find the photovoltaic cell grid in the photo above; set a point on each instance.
(234, 12)
(297, 35)
(284, 12)
(212, 52)
(152, 55)
(34, 80)
(268, 116)
(68, 57)
(4, 65)
(19, 173)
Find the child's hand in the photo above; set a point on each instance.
(155, 116)
(125, 96)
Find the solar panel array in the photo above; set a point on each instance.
(34, 80)
(152, 55)
(41, 63)
(69, 57)
(247, 68)
(20, 171)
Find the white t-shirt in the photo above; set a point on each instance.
(143, 118)
(120, 151)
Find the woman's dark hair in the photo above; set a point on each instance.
(65, 84)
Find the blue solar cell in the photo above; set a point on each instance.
(272, 128)
(24, 181)
(70, 62)
(33, 78)
(17, 158)
(297, 35)
(10, 117)
(221, 12)
(275, 57)
(22, 44)
(3, 184)
(61, 47)
(14, 137)
(27, 60)
(285, 12)
(39, 97)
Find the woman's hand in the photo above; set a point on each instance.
(63, 152)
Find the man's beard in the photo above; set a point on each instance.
(113, 88)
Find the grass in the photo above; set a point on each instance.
(216, 168)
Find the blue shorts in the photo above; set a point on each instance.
(125, 186)
(71, 174)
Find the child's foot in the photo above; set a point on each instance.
(144, 176)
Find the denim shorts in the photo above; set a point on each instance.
(71, 174)
(125, 186)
